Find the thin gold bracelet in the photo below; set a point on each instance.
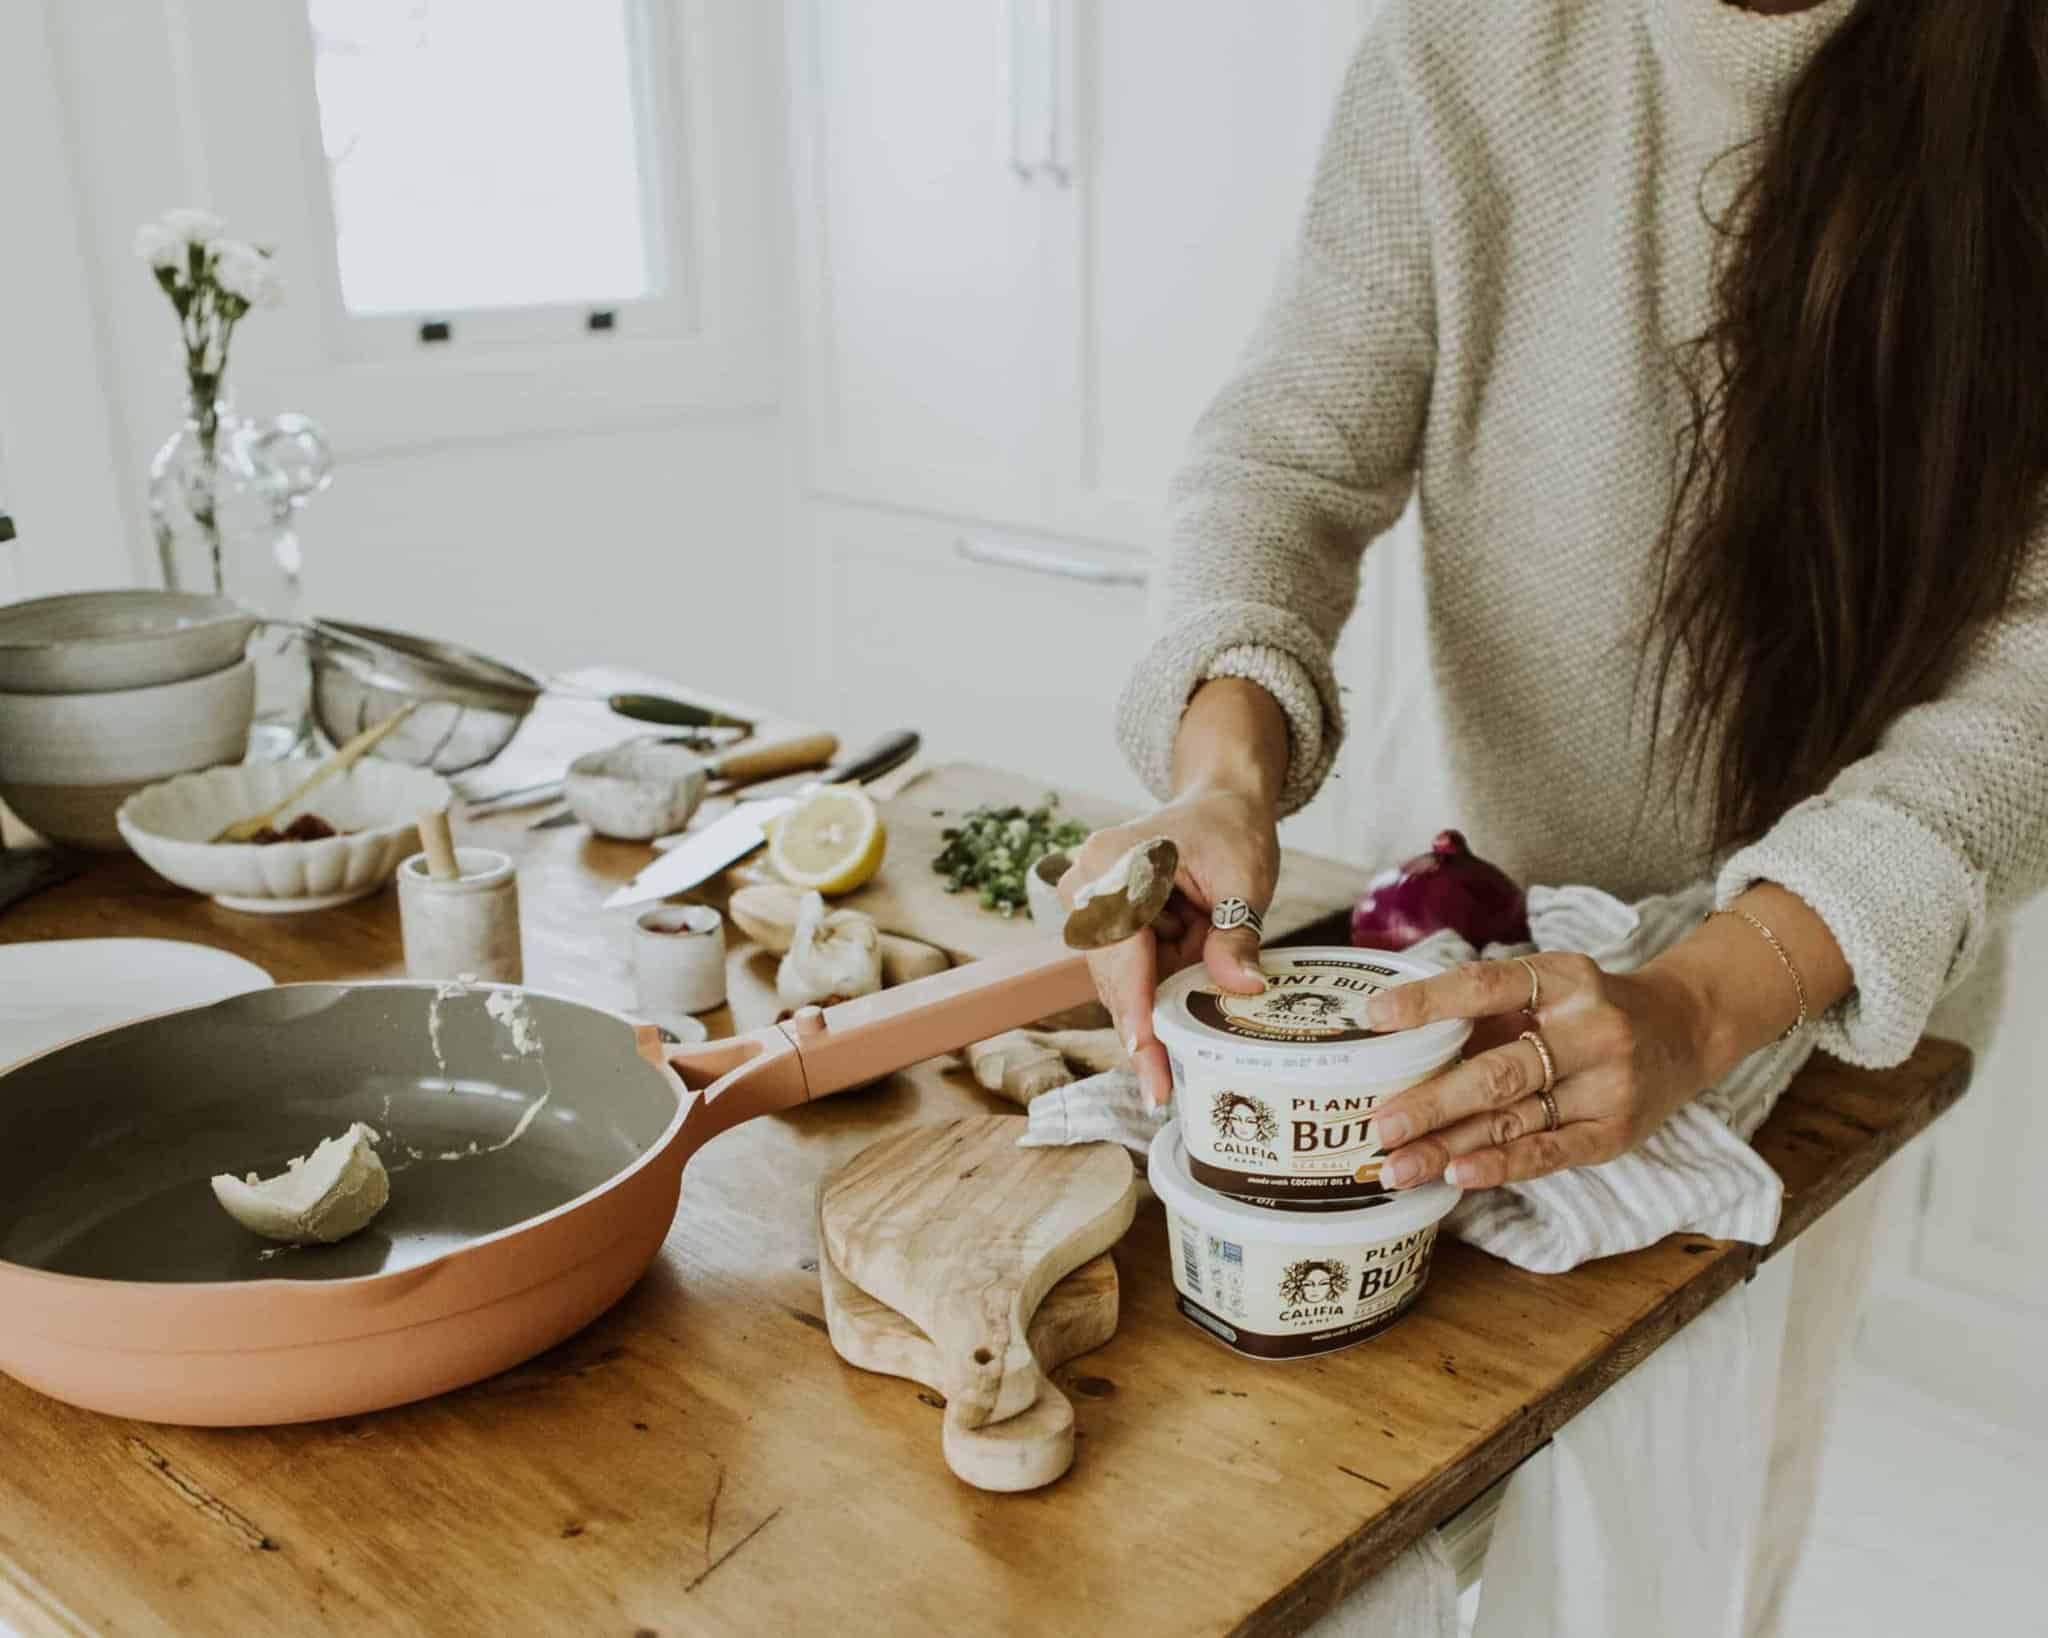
(1771, 938)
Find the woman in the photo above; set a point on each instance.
(1711, 342)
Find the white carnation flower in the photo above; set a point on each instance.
(158, 246)
(194, 227)
(244, 271)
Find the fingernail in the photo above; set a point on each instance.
(1249, 972)
(1379, 1011)
(1454, 1173)
(1404, 1170)
(1387, 1132)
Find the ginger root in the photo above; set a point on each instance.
(1014, 1066)
(1021, 1063)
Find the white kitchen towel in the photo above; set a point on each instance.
(1696, 1172)
(1416, 1596)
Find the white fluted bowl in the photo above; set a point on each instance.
(378, 803)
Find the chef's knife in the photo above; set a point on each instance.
(699, 857)
(885, 755)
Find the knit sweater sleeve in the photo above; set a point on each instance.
(1308, 453)
(1912, 853)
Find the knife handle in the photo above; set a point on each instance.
(784, 756)
(672, 713)
(889, 752)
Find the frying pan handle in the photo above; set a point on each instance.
(862, 1040)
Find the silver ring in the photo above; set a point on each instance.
(1535, 983)
(1231, 914)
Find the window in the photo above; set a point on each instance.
(484, 157)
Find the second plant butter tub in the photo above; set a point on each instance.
(1288, 1284)
(1273, 1091)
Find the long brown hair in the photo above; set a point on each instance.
(1869, 435)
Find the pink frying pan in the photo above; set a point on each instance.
(529, 1189)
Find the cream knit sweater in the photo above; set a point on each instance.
(1503, 247)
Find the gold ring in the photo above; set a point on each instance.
(1535, 984)
(1549, 1063)
(1550, 1121)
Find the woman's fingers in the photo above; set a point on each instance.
(1431, 1156)
(1493, 1080)
(1576, 1143)
(1232, 958)
(1126, 977)
(1479, 989)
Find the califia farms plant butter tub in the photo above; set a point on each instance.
(1288, 1284)
(1273, 1091)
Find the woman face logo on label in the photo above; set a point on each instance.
(1314, 1282)
(1241, 1119)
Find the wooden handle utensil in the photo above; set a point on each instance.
(346, 757)
(784, 756)
(438, 843)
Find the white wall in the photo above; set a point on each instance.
(559, 505)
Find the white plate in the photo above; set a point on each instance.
(58, 989)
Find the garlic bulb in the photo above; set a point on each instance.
(832, 953)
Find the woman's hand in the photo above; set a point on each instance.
(1229, 848)
(1628, 1051)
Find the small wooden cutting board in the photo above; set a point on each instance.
(1027, 1451)
(963, 1234)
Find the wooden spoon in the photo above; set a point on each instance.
(244, 830)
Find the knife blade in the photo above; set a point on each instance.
(699, 857)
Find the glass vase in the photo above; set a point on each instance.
(224, 494)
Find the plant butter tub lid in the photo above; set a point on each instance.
(1309, 1024)
(1275, 1284)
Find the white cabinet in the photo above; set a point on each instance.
(985, 642)
(1033, 234)
(921, 257)
(1031, 237)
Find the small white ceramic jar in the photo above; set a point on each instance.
(1274, 1090)
(464, 928)
(679, 959)
(1290, 1284)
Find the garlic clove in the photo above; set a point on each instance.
(832, 953)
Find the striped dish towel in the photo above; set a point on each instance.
(1695, 1173)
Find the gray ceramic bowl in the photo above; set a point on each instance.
(96, 642)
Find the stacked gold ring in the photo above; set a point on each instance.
(1551, 1119)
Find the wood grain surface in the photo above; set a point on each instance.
(1027, 1451)
(698, 1461)
(963, 1233)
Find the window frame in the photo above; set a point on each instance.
(665, 312)
(239, 99)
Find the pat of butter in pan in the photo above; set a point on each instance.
(319, 1198)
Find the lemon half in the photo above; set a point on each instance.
(832, 843)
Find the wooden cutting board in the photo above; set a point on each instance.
(907, 896)
(1029, 1450)
(963, 1234)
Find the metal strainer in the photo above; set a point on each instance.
(467, 706)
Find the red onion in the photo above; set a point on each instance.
(1449, 886)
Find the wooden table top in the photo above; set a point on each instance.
(699, 1460)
